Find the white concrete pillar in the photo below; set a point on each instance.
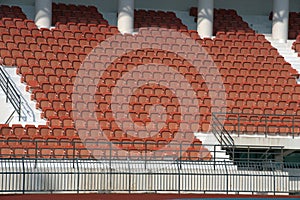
(43, 13)
(280, 20)
(126, 16)
(205, 21)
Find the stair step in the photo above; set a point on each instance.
(210, 140)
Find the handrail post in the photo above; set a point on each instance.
(73, 153)
(180, 154)
(110, 154)
(110, 167)
(36, 153)
(78, 176)
(179, 177)
(233, 153)
(293, 127)
(239, 124)
(274, 178)
(227, 178)
(145, 163)
(266, 122)
(130, 176)
(214, 157)
(248, 157)
(24, 179)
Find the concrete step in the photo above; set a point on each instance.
(208, 141)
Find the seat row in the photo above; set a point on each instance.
(74, 13)
(143, 18)
(225, 20)
(11, 12)
(50, 152)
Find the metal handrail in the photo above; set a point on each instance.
(12, 94)
(221, 133)
(289, 121)
(113, 150)
(10, 117)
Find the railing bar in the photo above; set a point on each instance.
(11, 92)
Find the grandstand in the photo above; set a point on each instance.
(127, 96)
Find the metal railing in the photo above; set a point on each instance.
(102, 176)
(261, 124)
(12, 94)
(220, 132)
(142, 151)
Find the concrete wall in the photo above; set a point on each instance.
(96, 176)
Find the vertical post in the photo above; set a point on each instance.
(227, 178)
(145, 155)
(179, 177)
(36, 153)
(205, 18)
(78, 176)
(274, 179)
(180, 154)
(24, 174)
(110, 168)
(73, 152)
(280, 20)
(233, 153)
(126, 16)
(248, 157)
(266, 122)
(214, 157)
(238, 124)
(293, 127)
(129, 169)
(110, 154)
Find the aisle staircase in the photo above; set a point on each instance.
(17, 108)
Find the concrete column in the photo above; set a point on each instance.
(280, 20)
(205, 18)
(126, 16)
(43, 13)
